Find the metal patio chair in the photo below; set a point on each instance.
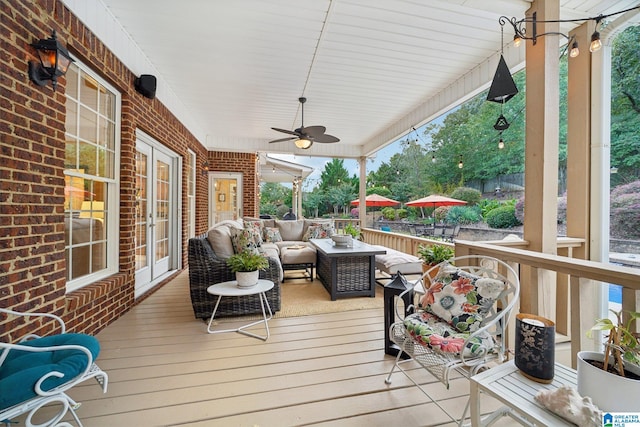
(38, 371)
(460, 319)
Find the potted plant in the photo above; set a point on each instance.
(246, 265)
(612, 378)
(352, 230)
(432, 255)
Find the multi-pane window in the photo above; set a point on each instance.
(91, 175)
(191, 193)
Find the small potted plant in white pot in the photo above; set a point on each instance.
(432, 255)
(612, 378)
(247, 266)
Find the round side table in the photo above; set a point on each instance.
(231, 289)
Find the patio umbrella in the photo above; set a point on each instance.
(373, 200)
(434, 201)
(376, 200)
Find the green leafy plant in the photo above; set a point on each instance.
(502, 217)
(622, 342)
(352, 230)
(434, 254)
(247, 261)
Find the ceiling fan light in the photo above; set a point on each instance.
(303, 143)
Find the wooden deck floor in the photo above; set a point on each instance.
(164, 369)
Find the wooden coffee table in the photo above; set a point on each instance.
(347, 271)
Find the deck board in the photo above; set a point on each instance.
(325, 369)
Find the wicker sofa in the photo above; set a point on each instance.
(206, 268)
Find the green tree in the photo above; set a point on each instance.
(625, 106)
(313, 201)
(333, 174)
(273, 193)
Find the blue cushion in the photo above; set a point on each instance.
(22, 369)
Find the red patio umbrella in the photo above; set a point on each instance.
(373, 200)
(434, 201)
(376, 200)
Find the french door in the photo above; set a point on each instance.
(157, 213)
(225, 196)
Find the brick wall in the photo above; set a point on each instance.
(32, 120)
(220, 161)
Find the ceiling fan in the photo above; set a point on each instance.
(305, 136)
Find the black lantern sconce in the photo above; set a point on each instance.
(54, 61)
(205, 168)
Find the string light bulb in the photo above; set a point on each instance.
(501, 143)
(517, 40)
(574, 50)
(433, 158)
(596, 43)
(460, 164)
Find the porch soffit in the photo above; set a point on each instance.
(370, 70)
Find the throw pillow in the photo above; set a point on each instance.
(272, 235)
(243, 239)
(256, 230)
(318, 231)
(460, 298)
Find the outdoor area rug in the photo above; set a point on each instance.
(301, 297)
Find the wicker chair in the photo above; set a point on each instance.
(486, 290)
(206, 269)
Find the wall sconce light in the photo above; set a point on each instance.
(460, 164)
(54, 61)
(205, 168)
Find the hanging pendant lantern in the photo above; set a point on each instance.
(503, 88)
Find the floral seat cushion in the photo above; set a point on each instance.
(430, 331)
(460, 298)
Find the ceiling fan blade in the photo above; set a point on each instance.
(283, 139)
(326, 138)
(290, 132)
(313, 131)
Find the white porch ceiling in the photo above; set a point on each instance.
(370, 69)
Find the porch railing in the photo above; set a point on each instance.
(575, 281)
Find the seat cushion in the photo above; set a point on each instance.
(460, 298)
(22, 369)
(299, 254)
(430, 331)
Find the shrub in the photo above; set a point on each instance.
(625, 211)
(562, 209)
(464, 215)
(487, 205)
(502, 217)
(355, 212)
(440, 214)
(402, 213)
(389, 213)
(519, 209)
(469, 195)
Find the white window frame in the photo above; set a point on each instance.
(112, 247)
